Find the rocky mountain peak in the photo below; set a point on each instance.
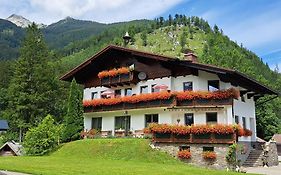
(19, 20)
(22, 21)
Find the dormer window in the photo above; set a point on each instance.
(213, 85)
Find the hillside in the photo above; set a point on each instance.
(10, 38)
(104, 157)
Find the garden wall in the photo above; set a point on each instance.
(196, 153)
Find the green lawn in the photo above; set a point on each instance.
(103, 156)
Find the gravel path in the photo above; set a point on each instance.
(11, 173)
(274, 170)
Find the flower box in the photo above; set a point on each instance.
(105, 80)
(224, 136)
(162, 135)
(185, 103)
(115, 79)
(202, 101)
(155, 102)
(202, 136)
(167, 101)
(222, 101)
(124, 77)
(181, 138)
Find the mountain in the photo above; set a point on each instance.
(10, 38)
(60, 36)
(272, 58)
(19, 20)
(69, 30)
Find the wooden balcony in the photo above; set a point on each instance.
(119, 80)
(125, 106)
(192, 138)
(160, 99)
(205, 102)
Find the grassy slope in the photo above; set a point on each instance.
(160, 41)
(103, 156)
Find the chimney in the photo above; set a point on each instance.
(191, 57)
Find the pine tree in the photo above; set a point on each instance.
(73, 121)
(31, 88)
(183, 39)
(144, 38)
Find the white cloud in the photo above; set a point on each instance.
(48, 11)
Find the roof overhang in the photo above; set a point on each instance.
(227, 75)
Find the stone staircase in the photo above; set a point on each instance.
(254, 159)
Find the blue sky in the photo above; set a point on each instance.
(255, 23)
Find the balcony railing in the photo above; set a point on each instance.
(122, 106)
(162, 99)
(119, 80)
(193, 138)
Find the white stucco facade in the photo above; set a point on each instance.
(225, 113)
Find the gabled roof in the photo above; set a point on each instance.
(3, 125)
(15, 147)
(228, 75)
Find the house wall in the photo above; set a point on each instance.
(246, 109)
(138, 117)
(200, 83)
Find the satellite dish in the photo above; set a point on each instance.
(142, 75)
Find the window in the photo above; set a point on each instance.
(128, 92)
(144, 89)
(188, 119)
(94, 95)
(151, 118)
(236, 119)
(208, 148)
(243, 98)
(117, 93)
(96, 123)
(187, 86)
(103, 96)
(184, 147)
(213, 85)
(244, 122)
(122, 122)
(211, 118)
(154, 90)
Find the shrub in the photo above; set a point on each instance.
(184, 154)
(43, 138)
(209, 155)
